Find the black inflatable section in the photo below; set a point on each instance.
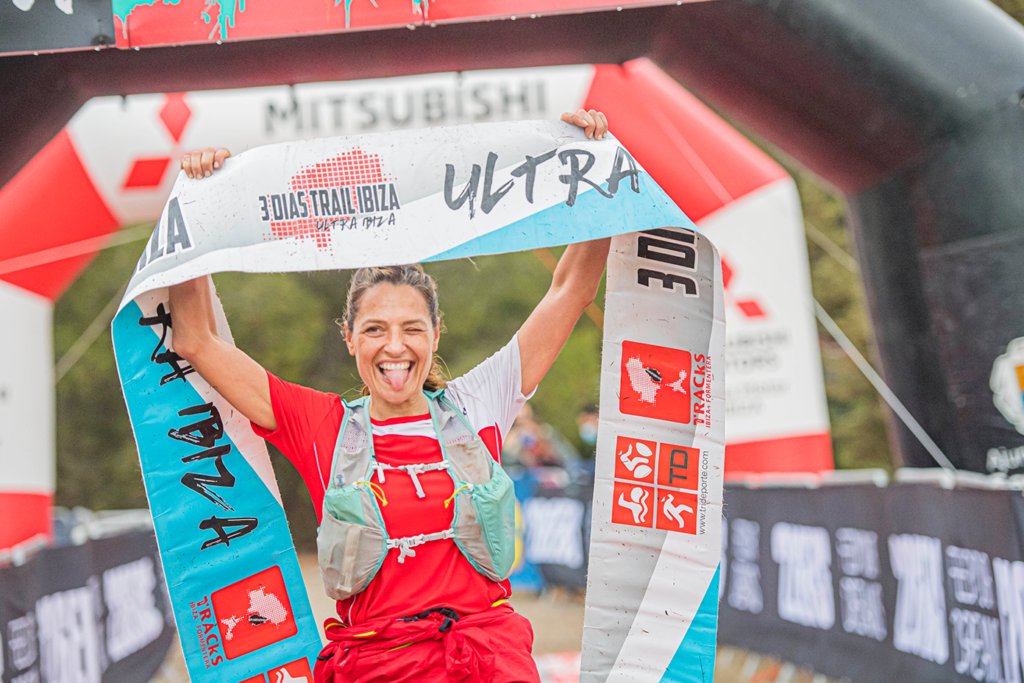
(911, 108)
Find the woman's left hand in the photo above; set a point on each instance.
(593, 122)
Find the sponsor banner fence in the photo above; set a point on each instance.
(90, 613)
(417, 196)
(912, 581)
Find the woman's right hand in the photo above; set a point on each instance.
(201, 163)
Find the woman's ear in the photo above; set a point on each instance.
(349, 341)
(437, 338)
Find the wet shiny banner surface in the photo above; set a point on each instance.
(419, 196)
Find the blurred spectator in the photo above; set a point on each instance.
(531, 443)
(587, 421)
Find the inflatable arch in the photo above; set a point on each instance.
(908, 108)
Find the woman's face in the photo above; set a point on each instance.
(393, 342)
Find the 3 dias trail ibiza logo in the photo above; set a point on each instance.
(664, 384)
(348, 192)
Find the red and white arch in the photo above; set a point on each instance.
(115, 162)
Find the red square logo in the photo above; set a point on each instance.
(634, 459)
(256, 679)
(253, 613)
(678, 466)
(655, 382)
(633, 505)
(295, 672)
(677, 511)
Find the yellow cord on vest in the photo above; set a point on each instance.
(455, 493)
(375, 489)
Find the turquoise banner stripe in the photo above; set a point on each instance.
(193, 573)
(694, 661)
(586, 220)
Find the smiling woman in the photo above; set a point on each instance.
(383, 471)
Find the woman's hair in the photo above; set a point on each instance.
(413, 276)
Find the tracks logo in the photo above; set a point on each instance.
(655, 382)
(253, 613)
(1007, 383)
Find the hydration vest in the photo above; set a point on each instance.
(352, 541)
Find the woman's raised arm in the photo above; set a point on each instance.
(238, 378)
(573, 287)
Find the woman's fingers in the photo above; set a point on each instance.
(593, 122)
(201, 163)
(197, 163)
(602, 124)
(207, 162)
(219, 157)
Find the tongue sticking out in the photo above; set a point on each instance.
(396, 378)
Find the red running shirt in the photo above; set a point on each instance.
(308, 422)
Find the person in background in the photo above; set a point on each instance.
(587, 421)
(532, 443)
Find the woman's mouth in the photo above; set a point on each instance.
(395, 374)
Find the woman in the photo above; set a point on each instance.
(427, 599)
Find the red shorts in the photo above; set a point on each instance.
(436, 647)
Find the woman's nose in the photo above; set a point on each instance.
(395, 344)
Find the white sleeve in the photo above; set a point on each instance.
(491, 393)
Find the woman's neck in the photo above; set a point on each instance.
(384, 410)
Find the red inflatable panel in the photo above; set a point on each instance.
(810, 453)
(25, 515)
(701, 161)
(52, 190)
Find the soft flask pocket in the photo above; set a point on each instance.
(348, 554)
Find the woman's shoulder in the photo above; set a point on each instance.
(284, 393)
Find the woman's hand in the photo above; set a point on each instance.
(202, 162)
(593, 123)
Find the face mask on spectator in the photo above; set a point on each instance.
(588, 433)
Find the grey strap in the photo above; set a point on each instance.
(407, 544)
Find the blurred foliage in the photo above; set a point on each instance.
(1015, 8)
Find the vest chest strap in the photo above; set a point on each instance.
(407, 544)
(413, 471)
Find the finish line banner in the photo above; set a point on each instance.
(418, 196)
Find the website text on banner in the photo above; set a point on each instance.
(399, 198)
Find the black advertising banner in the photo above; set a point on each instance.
(46, 25)
(92, 613)
(908, 582)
